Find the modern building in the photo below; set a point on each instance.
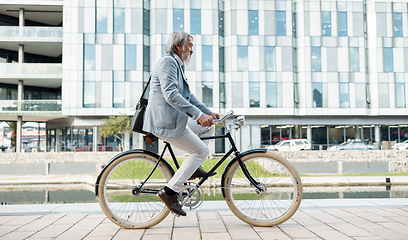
(328, 71)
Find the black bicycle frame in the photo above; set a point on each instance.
(232, 150)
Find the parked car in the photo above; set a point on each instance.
(291, 145)
(401, 146)
(353, 145)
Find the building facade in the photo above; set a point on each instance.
(328, 71)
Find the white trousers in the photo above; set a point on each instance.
(197, 149)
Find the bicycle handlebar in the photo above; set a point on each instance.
(224, 118)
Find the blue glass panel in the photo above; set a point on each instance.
(400, 95)
(317, 95)
(344, 95)
(130, 57)
(119, 20)
(253, 22)
(342, 24)
(254, 94)
(354, 59)
(398, 24)
(118, 94)
(89, 57)
(242, 63)
(326, 23)
(271, 95)
(388, 60)
(101, 20)
(178, 19)
(195, 21)
(207, 58)
(207, 91)
(89, 95)
(316, 59)
(270, 58)
(281, 23)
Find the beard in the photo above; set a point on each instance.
(186, 57)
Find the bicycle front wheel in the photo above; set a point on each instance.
(280, 194)
(125, 196)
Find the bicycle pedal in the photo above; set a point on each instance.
(175, 214)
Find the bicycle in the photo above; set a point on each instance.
(260, 187)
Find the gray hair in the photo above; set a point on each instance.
(177, 39)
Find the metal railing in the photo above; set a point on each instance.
(31, 70)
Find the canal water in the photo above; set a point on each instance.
(82, 193)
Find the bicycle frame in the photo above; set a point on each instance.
(226, 155)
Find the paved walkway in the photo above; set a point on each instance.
(316, 219)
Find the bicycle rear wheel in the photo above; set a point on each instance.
(281, 189)
(122, 199)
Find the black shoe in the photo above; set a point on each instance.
(200, 173)
(171, 202)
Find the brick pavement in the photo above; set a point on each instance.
(316, 219)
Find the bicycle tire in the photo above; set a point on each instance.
(282, 184)
(119, 202)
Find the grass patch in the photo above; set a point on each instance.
(358, 175)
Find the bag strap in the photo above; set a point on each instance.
(145, 89)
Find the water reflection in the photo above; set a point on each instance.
(85, 194)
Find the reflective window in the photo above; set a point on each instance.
(400, 95)
(89, 57)
(281, 23)
(317, 95)
(316, 59)
(271, 95)
(146, 58)
(130, 54)
(397, 19)
(118, 94)
(354, 59)
(178, 19)
(207, 58)
(101, 20)
(326, 23)
(388, 60)
(89, 95)
(344, 95)
(360, 95)
(119, 20)
(238, 96)
(242, 58)
(342, 23)
(254, 94)
(207, 91)
(253, 22)
(270, 59)
(383, 95)
(195, 21)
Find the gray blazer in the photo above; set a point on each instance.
(170, 100)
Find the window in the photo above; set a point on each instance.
(89, 57)
(317, 95)
(271, 95)
(281, 23)
(388, 60)
(146, 58)
(89, 94)
(270, 59)
(207, 58)
(118, 94)
(316, 59)
(207, 91)
(344, 95)
(101, 20)
(119, 20)
(253, 22)
(130, 55)
(342, 24)
(397, 19)
(400, 90)
(383, 95)
(354, 59)
(326, 23)
(242, 59)
(195, 21)
(178, 19)
(237, 97)
(254, 94)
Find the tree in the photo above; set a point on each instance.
(116, 126)
(13, 138)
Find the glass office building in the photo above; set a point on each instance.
(328, 71)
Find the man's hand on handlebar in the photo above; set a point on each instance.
(207, 120)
